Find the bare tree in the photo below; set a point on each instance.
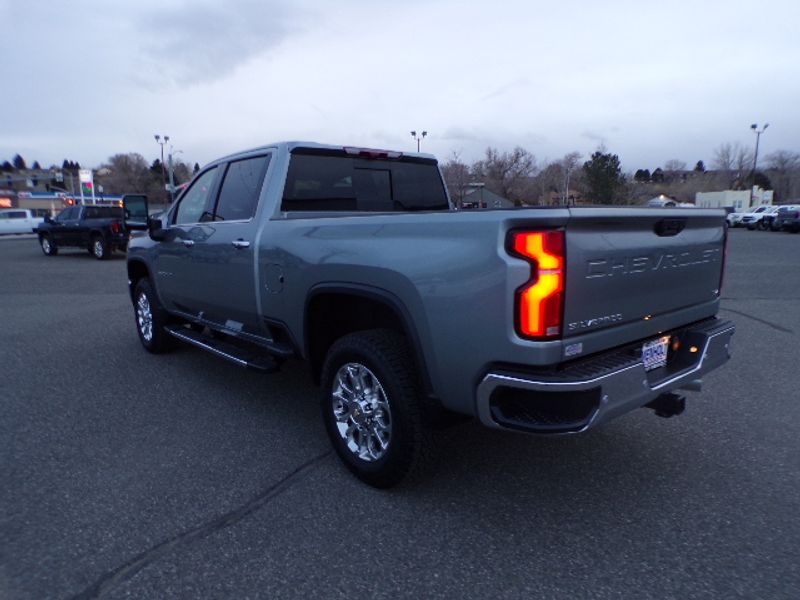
(508, 173)
(733, 162)
(183, 173)
(784, 173)
(548, 182)
(130, 173)
(569, 163)
(674, 166)
(456, 177)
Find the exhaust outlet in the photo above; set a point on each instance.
(668, 405)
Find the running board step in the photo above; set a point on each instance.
(240, 356)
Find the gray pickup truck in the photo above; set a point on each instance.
(547, 320)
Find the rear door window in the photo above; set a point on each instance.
(238, 196)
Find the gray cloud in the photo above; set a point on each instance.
(206, 42)
(594, 136)
(504, 89)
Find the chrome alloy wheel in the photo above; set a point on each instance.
(97, 248)
(144, 317)
(362, 412)
(46, 245)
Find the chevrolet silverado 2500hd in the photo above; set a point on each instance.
(550, 320)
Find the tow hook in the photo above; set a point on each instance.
(668, 405)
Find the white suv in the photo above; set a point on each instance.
(753, 220)
(736, 218)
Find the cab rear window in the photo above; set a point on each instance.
(331, 182)
(104, 212)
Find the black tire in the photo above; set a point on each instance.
(385, 356)
(48, 246)
(151, 332)
(99, 248)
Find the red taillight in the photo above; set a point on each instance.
(115, 227)
(540, 301)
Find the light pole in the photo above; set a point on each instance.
(172, 174)
(758, 133)
(161, 141)
(418, 137)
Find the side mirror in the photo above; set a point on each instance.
(48, 219)
(156, 229)
(136, 213)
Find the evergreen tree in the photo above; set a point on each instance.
(700, 167)
(36, 166)
(762, 181)
(19, 163)
(604, 177)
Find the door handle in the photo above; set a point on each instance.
(240, 244)
(188, 243)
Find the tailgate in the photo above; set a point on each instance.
(636, 264)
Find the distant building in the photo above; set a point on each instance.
(479, 197)
(554, 198)
(738, 200)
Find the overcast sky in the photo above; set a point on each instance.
(653, 81)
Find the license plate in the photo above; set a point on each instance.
(654, 353)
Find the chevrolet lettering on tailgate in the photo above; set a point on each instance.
(625, 265)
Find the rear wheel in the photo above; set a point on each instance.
(372, 410)
(150, 319)
(48, 246)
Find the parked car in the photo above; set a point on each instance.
(18, 220)
(98, 229)
(735, 218)
(787, 219)
(754, 220)
(550, 320)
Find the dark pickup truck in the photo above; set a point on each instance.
(99, 229)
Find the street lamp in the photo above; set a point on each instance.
(172, 173)
(758, 133)
(161, 141)
(418, 137)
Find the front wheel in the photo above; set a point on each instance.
(48, 246)
(150, 318)
(99, 248)
(372, 410)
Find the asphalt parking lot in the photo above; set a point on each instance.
(128, 475)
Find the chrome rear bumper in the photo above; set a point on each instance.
(601, 388)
